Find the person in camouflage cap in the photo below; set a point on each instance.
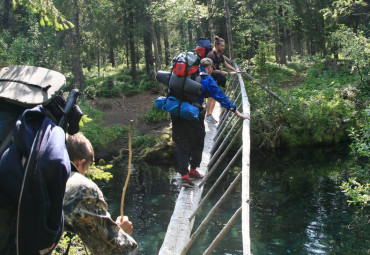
(85, 211)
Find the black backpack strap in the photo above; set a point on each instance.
(183, 83)
(215, 58)
(168, 91)
(31, 162)
(6, 143)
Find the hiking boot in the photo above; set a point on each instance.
(186, 182)
(195, 174)
(210, 119)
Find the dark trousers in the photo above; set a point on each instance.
(188, 136)
(220, 79)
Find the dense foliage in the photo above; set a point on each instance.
(357, 188)
(313, 53)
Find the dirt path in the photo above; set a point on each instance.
(121, 111)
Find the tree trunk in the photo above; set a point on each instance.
(281, 32)
(166, 44)
(158, 37)
(323, 44)
(157, 56)
(148, 51)
(111, 57)
(127, 51)
(210, 18)
(277, 53)
(132, 45)
(228, 29)
(190, 35)
(182, 34)
(77, 71)
(289, 44)
(297, 38)
(199, 32)
(6, 10)
(98, 55)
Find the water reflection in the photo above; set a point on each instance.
(296, 207)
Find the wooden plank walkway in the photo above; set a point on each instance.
(179, 228)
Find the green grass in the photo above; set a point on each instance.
(155, 115)
(123, 84)
(99, 135)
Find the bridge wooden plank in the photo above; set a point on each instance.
(179, 228)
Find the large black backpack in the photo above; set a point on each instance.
(34, 163)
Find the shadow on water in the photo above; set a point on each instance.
(296, 208)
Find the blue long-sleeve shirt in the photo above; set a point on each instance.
(210, 86)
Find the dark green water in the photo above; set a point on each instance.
(296, 207)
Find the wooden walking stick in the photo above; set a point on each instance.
(129, 168)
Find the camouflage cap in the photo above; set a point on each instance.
(206, 62)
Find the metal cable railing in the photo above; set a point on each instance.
(228, 132)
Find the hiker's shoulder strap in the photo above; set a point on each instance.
(6, 143)
(215, 58)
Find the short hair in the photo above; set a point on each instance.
(218, 40)
(79, 147)
(206, 62)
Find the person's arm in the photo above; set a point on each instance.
(215, 92)
(240, 115)
(221, 97)
(216, 71)
(86, 213)
(228, 66)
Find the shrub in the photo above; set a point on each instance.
(357, 188)
(99, 135)
(319, 111)
(155, 115)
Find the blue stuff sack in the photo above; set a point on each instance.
(171, 105)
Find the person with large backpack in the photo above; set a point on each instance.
(188, 135)
(220, 76)
(34, 163)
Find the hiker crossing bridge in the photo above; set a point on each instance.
(218, 141)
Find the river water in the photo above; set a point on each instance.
(296, 206)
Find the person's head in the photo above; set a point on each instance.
(219, 44)
(80, 151)
(207, 63)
